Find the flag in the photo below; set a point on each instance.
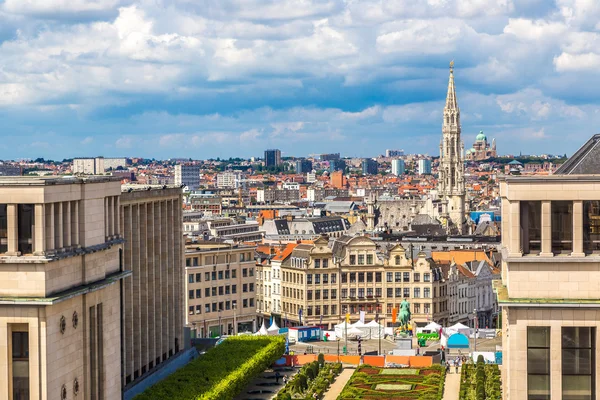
(321, 319)
(394, 315)
(271, 321)
(362, 317)
(300, 316)
(347, 318)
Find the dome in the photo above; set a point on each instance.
(481, 137)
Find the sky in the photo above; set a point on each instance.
(231, 78)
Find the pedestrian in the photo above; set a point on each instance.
(284, 380)
(447, 367)
(277, 376)
(456, 366)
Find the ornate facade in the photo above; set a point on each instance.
(451, 186)
(481, 150)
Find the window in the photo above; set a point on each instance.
(325, 278)
(398, 291)
(244, 272)
(538, 363)
(531, 226)
(233, 273)
(251, 302)
(317, 279)
(25, 221)
(213, 276)
(333, 278)
(191, 310)
(191, 278)
(318, 294)
(325, 263)
(370, 259)
(227, 274)
(333, 294)
(377, 276)
(352, 292)
(427, 277)
(397, 260)
(207, 276)
(227, 289)
(344, 278)
(334, 309)
(220, 274)
(214, 307)
(406, 292)
(233, 289)
(361, 277)
(361, 292)
(591, 227)
(207, 292)
(198, 293)
(207, 308)
(361, 259)
(251, 287)
(198, 277)
(195, 261)
(390, 292)
(417, 292)
(389, 276)
(426, 308)
(198, 309)
(344, 293)
(352, 277)
(251, 271)
(214, 291)
(417, 308)
(578, 363)
(3, 230)
(220, 290)
(309, 295)
(426, 292)
(317, 263)
(325, 310)
(245, 303)
(562, 227)
(398, 277)
(191, 294)
(352, 259)
(369, 292)
(406, 276)
(228, 305)
(325, 294)
(369, 277)
(20, 365)
(187, 261)
(417, 277)
(309, 279)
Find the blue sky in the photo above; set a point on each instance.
(226, 78)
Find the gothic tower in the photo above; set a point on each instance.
(451, 185)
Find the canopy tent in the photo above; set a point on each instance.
(355, 332)
(340, 329)
(432, 326)
(458, 341)
(376, 330)
(273, 329)
(364, 328)
(458, 326)
(262, 331)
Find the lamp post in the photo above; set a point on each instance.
(234, 306)
(475, 326)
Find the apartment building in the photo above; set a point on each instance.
(61, 256)
(220, 285)
(153, 300)
(97, 165)
(352, 274)
(550, 281)
(187, 175)
(229, 179)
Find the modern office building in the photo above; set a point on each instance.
(229, 179)
(394, 153)
(220, 285)
(398, 167)
(153, 302)
(369, 166)
(303, 166)
(551, 280)
(187, 175)
(337, 165)
(61, 257)
(330, 157)
(272, 158)
(424, 166)
(97, 165)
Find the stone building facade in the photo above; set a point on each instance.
(151, 223)
(220, 286)
(550, 285)
(60, 257)
(352, 274)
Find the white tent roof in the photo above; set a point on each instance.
(355, 331)
(263, 330)
(458, 326)
(343, 326)
(358, 324)
(432, 326)
(374, 324)
(273, 327)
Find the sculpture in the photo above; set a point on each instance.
(404, 313)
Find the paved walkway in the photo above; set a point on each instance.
(452, 385)
(336, 388)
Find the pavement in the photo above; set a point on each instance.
(452, 385)
(338, 385)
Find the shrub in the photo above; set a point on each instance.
(480, 360)
(222, 373)
(321, 359)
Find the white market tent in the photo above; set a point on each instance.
(432, 326)
(340, 329)
(457, 327)
(355, 332)
(262, 331)
(273, 329)
(364, 328)
(376, 330)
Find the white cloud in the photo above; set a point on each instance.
(250, 135)
(577, 62)
(87, 140)
(124, 142)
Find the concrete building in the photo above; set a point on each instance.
(394, 153)
(97, 165)
(451, 183)
(153, 301)
(550, 282)
(61, 257)
(229, 179)
(277, 195)
(187, 175)
(10, 169)
(354, 274)
(398, 167)
(337, 165)
(272, 158)
(220, 285)
(424, 166)
(330, 157)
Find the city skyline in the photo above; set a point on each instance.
(171, 79)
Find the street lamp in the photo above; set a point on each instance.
(475, 326)
(234, 306)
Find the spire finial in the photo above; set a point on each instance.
(452, 66)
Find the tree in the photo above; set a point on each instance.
(321, 359)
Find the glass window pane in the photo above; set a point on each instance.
(538, 336)
(562, 226)
(531, 226)
(573, 337)
(538, 361)
(577, 361)
(576, 387)
(538, 387)
(591, 226)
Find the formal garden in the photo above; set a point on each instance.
(313, 379)
(480, 381)
(222, 372)
(376, 383)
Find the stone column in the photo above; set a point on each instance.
(13, 230)
(50, 242)
(546, 229)
(578, 229)
(67, 219)
(110, 217)
(75, 224)
(117, 216)
(39, 245)
(515, 230)
(59, 224)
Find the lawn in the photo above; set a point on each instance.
(376, 383)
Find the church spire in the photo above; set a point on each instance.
(451, 103)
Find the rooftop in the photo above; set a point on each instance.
(55, 180)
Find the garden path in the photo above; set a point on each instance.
(452, 385)
(336, 388)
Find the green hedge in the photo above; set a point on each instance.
(302, 386)
(480, 381)
(222, 373)
(428, 336)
